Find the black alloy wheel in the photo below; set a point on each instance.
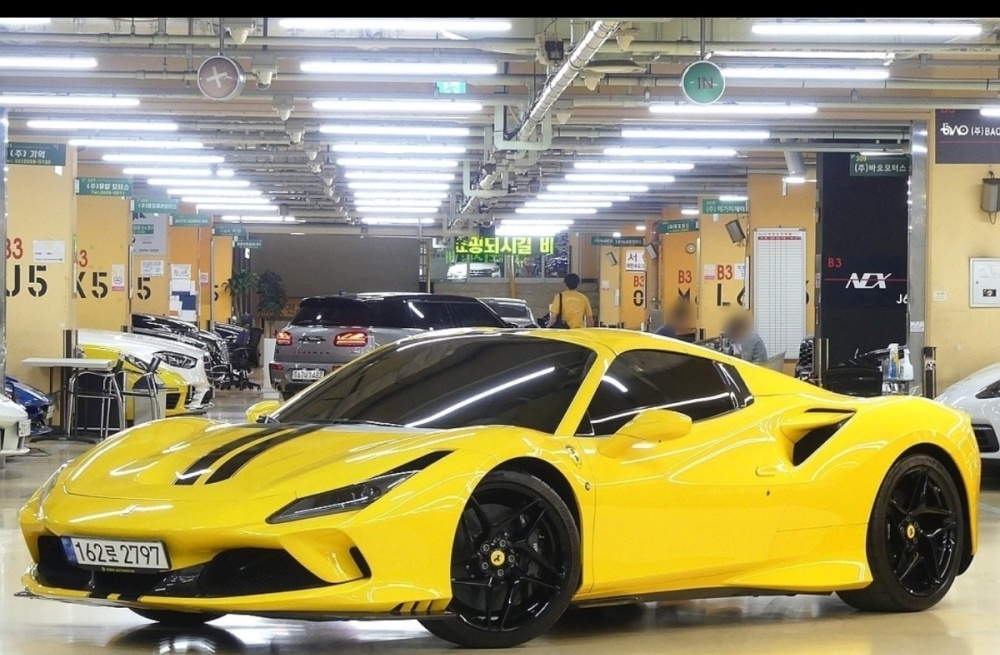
(177, 619)
(916, 538)
(515, 564)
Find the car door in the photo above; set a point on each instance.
(684, 509)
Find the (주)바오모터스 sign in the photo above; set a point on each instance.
(965, 136)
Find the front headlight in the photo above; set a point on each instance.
(135, 362)
(992, 391)
(177, 360)
(355, 496)
(50, 484)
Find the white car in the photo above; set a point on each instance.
(512, 310)
(464, 271)
(979, 396)
(186, 361)
(15, 426)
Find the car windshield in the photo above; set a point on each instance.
(509, 309)
(450, 382)
(332, 312)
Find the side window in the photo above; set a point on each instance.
(393, 314)
(429, 315)
(473, 314)
(653, 379)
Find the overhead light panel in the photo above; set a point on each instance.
(732, 198)
(398, 186)
(700, 135)
(407, 176)
(597, 188)
(739, 109)
(401, 107)
(408, 68)
(619, 177)
(229, 206)
(158, 144)
(394, 130)
(846, 73)
(399, 24)
(793, 179)
(74, 101)
(110, 126)
(555, 210)
(399, 149)
(368, 162)
(396, 202)
(402, 220)
(641, 151)
(259, 219)
(193, 182)
(565, 204)
(690, 211)
(413, 195)
(529, 230)
(139, 171)
(152, 158)
(551, 222)
(632, 166)
(572, 197)
(43, 63)
(228, 193)
(223, 198)
(867, 28)
(225, 172)
(15, 22)
(384, 209)
(806, 54)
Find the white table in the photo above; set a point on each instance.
(67, 363)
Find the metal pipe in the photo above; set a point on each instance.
(598, 34)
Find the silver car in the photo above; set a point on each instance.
(330, 331)
(512, 310)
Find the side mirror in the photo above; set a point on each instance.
(650, 426)
(257, 413)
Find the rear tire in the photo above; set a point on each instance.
(916, 538)
(177, 619)
(515, 564)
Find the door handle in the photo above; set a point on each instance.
(767, 471)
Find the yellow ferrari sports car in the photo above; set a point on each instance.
(481, 481)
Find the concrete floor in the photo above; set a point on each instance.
(965, 622)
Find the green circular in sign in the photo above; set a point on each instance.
(703, 83)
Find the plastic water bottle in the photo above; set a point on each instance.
(905, 367)
(893, 355)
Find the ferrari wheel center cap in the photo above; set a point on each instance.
(497, 558)
(911, 531)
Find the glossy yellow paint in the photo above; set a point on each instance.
(718, 505)
(172, 381)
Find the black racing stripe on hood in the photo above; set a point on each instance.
(204, 464)
(229, 468)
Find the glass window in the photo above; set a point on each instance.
(393, 314)
(428, 315)
(474, 314)
(333, 312)
(653, 379)
(480, 379)
(508, 309)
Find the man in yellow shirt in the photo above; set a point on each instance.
(576, 310)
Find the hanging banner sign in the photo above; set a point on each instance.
(248, 243)
(716, 206)
(505, 245)
(965, 136)
(684, 225)
(155, 206)
(237, 231)
(191, 220)
(617, 241)
(880, 166)
(149, 235)
(36, 154)
(120, 187)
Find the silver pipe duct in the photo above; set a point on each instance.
(563, 78)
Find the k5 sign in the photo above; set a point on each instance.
(964, 136)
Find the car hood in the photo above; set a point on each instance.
(10, 411)
(195, 459)
(144, 342)
(966, 390)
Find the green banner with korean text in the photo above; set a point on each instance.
(880, 166)
(248, 243)
(156, 205)
(505, 245)
(716, 206)
(617, 241)
(120, 187)
(191, 220)
(36, 154)
(682, 225)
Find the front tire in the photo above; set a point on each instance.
(177, 619)
(916, 537)
(515, 564)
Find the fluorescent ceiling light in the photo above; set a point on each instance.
(222, 198)
(398, 221)
(528, 230)
(228, 205)
(409, 68)
(632, 166)
(207, 184)
(991, 112)
(695, 134)
(871, 28)
(394, 130)
(371, 162)
(732, 198)
(159, 144)
(392, 209)
(619, 177)
(690, 211)
(399, 149)
(642, 151)
(396, 202)
(399, 24)
(741, 109)
(553, 210)
(616, 234)
(565, 204)
(75, 101)
(386, 195)
(153, 171)
(259, 219)
(398, 186)
(113, 126)
(597, 188)
(551, 222)
(640, 228)
(805, 54)
(399, 106)
(61, 63)
(229, 193)
(804, 73)
(881, 153)
(582, 196)
(25, 21)
(225, 172)
(793, 179)
(399, 175)
(152, 158)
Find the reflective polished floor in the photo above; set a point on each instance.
(965, 622)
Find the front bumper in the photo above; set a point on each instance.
(985, 416)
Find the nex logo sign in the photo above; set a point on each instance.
(868, 281)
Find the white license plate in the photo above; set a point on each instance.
(308, 374)
(112, 554)
(24, 428)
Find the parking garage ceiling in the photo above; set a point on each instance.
(448, 123)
